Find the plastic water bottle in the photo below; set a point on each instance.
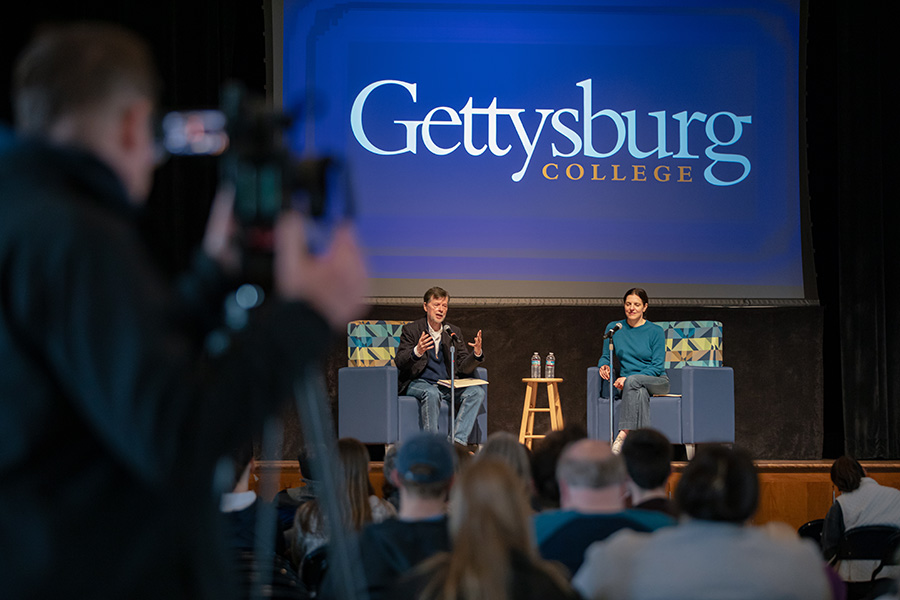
(550, 366)
(536, 365)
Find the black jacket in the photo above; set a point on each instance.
(112, 417)
(409, 366)
(393, 547)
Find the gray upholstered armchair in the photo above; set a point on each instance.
(369, 407)
(700, 405)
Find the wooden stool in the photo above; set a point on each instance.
(554, 408)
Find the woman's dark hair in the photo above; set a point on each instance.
(639, 292)
(846, 473)
(544, 458)
(719, 484)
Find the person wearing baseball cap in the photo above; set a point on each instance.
(424, 469)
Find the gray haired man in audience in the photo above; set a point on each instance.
(592, 485)
(715, 552)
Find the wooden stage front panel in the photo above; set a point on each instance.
(792, 492)
(795, 492)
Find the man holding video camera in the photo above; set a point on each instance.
(112, 415)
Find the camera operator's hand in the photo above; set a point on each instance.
(334, 284)
(220, 241)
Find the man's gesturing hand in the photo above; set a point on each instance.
(476, 345)
(426, 343)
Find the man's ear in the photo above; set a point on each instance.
(563, 492)
(133, 123)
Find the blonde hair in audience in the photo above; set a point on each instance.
(490, 518)
(505, 446)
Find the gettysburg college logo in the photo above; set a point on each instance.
(568, 140)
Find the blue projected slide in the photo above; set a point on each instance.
(543, 150)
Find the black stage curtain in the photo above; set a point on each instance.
(853, 133)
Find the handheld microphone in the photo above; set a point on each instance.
(613, 330)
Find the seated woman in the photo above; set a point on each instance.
(862, 502)
(494, 556)
(713, 553)
(362, 505)
(640, 347)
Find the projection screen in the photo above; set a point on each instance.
(544, 151)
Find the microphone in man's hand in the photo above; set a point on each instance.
(610, 333)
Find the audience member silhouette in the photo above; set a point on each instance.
(494, 556)
(862, 501)
(289, 500)
(648, 460)
(712, 553)
(361, 505)
(543, 463)
(389, 491)
(505, 446)
(424, 470)
(592, 504)
(244, 521)
(240, 506)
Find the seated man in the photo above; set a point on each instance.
(648, 460)
(592, 504)
(423, 359)
(424, 471)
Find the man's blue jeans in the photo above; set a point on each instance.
(430, 396)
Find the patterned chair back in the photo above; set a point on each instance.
(688, 343)
(692, 343)
(373, 343)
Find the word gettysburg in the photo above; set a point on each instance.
(561, 120)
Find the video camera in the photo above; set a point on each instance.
(248, 138)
